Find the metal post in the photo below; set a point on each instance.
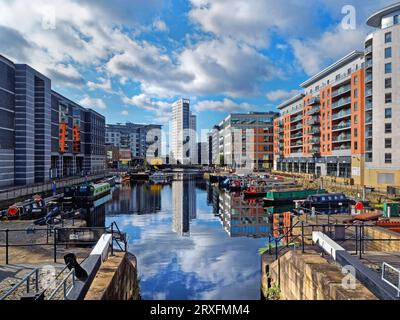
(6, 246)
(112, 238)
(276, 249)
(269, 245)
(356, 238)
(55, 245)
(302, 237)
(37, 280)
(360, 252)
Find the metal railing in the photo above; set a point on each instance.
(58, 237)
(386, 266)
(63, 285)
(26, 281)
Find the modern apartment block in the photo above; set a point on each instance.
(246, 140)
(342, 125)
(320, 131)
(30, 129)
(144, 141)
(382, 98)
(183, 134)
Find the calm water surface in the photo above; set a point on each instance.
(191, 240)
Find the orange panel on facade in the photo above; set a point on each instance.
(63, 137)
(357, 112)
(326, 121)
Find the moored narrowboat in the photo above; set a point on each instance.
(287, 196)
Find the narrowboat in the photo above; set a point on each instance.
(322, 202)
(286, 196)
(30, 209)
(92, 191)
(255, 191)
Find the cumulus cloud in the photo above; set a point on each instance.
(102, 84)
(225, 105)
(94, 103)
(159, 25)
(277, 95)
(160, 108)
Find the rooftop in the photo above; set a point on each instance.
(335, 66)
(376, 19)
(292, 100)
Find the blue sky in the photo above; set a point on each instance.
(130, 60)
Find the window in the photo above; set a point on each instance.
(355, 107)
(355, 133)
(388, 83)
(396, 19)
(349, 71)
(388, 113)
(355, 119)
(388, 98)
(388, 68)
(388, 158)
(388, 37)
(388, 128)
(355, 145)
(388, 143)
(355, 93)
(388, 52)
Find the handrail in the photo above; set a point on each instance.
(63, 284)
(26, 280)
(397, 288)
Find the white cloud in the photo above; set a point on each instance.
(95, 103)
(102, 84)
(281, 94)
(225, 105)
(161, 109)
(125, 113)
(314, 54)
(159, 25)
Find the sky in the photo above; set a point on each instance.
(130, 60)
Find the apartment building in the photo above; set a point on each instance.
(29, 128)
(320, 131)
(342, 125)
(144, 141)
(246, 140)
(183, 133)
(77, 138)
(382, 98)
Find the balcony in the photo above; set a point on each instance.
(296, 136)
(342, 126)
(315, 131)
(368, 93)
(315, 140)
(342, 102)
(368, 50)
(341, 114)
(313, 121)
(298, 127)
(342, 147)
(312, 111)
(342, 138)
(296, 119)
(341, 91)
(313, 100)
(368, 134)
(368, 148)
(368, 64)
(368, 78)
(368, 120)
(368, 157)
(296, 145)
(368, 105)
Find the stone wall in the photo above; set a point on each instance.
(308, 277)
(384, 245)
(116, 279)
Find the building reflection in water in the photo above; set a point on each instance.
(94, 212)
(138, 198)
(183, 205)
(241, 217)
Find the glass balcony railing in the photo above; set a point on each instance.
(368, 64)
(368, 49)
(312, 111)
(341, 114)
(342, 126)
(296, 136)
(368, 105)
(342, 138)
(298, 118)
(368, 120)
(368, 78)
(341, 103)
(368, 134)
(298, 127)
(368, 92)
(341, 91)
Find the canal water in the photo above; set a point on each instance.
(191, 240)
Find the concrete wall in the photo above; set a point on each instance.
(308, 277)
(116, 279)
